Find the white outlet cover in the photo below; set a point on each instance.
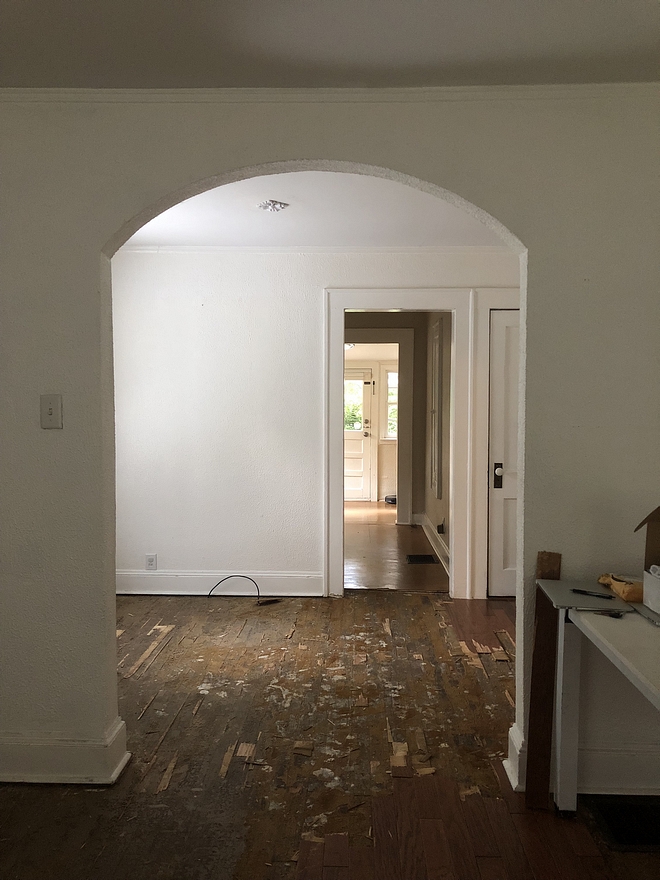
(151, 562)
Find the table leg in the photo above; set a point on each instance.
(567, 710)
(542, 689)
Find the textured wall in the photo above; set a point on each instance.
(571, 171)
(218, 385)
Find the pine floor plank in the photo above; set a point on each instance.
(335, 872)
(484, 842)
(361, 863)
(582, 842)
(386, 843)
(536, 849)
(411, 851)
(511, 848)
(437, 853)
(335, 853)
(463, 858)
(492, 869)
(594, 868)
(428, 802)
(310, 861)
(554, 831)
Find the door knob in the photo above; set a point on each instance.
(366, 433)
(499, 472)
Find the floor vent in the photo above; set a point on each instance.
(422, 559)
(627, 822)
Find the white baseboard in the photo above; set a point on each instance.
(631, 770)
(435, 540)
(198, 583)
(515, 763)
(55, 760)
(601, 770)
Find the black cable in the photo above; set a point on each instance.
(260, 601)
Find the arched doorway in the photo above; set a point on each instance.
(321, 575)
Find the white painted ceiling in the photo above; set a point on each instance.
(372, 351)
(337, 43)
(326, 209)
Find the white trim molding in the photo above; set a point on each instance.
(199, 583)
(633, 769)
(455, 300)
(515, 764)
(26, 758)
(405, 95)
(630, 769)
(436, 541)
(485, 299)
(435, 250)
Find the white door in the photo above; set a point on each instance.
(357, 432)
(503, 465)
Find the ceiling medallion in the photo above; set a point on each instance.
(272, 205)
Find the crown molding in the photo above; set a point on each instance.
(292, 249)
(429, 95)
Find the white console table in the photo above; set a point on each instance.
(630, 642)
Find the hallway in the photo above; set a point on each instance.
(375, 551)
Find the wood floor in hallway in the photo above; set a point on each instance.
(259, 734)
(375, 551)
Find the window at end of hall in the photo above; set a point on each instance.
(390, 422)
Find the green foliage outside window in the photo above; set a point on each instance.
(352, 416)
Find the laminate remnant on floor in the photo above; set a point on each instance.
(259, 733)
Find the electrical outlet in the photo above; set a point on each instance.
(151, 562)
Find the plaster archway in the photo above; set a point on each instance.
(130, 227)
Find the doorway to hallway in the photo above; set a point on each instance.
(376, 551)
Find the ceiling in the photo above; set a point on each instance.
(372, 351)
(326, 210)
(335, 43)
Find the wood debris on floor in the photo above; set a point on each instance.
(256, 760)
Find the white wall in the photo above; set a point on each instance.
(219, 406)
(386, 468)
(571, 171)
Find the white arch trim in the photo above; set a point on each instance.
(208, 183)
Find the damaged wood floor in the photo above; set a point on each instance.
(258, 733)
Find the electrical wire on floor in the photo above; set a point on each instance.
(268, 601)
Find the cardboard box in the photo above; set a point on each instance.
(652, 591)
(651, 557)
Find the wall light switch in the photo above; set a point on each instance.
(151, 562)
(51, 411)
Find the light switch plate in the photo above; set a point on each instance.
(51, 411)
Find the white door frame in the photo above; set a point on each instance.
(468, 454)
(404, 336)
(486, 299)
(457, 301)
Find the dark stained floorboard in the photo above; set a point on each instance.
(338, 674)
